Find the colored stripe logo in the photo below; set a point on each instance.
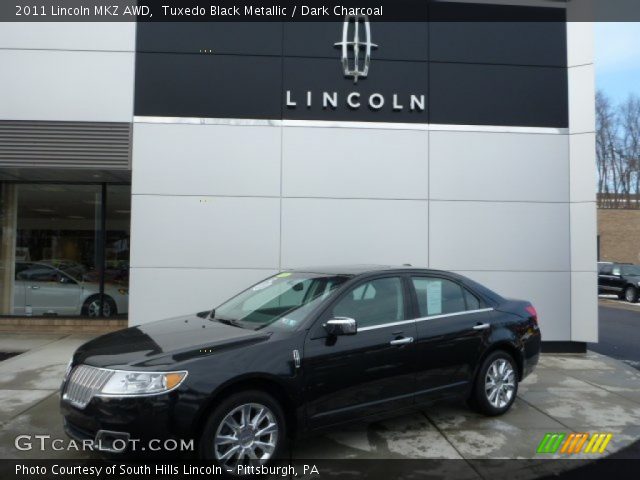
(574, 443)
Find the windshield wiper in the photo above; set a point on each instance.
(229, 321)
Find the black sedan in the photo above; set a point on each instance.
(297, 352)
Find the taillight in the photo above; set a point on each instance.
(531, 310)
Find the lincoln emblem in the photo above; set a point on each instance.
(356, 53)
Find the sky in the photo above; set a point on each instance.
(617, 58)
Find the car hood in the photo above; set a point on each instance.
(164, 343)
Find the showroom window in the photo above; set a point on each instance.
(64, 249)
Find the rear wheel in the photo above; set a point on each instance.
(496, 385)
(631, 294)
(247, 428)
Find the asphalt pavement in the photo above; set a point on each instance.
(619, 329)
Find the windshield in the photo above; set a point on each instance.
(282, 301)
(631, 270)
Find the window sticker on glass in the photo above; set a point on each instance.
(434, 297)
(283, 275)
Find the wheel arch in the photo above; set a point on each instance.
(263, 383)
(508, 347)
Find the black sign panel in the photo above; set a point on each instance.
(216, 86)
(461, 73)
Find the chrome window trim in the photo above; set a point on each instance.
(423, 319)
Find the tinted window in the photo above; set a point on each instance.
(373, 303)
(605, 269)
(438, 296)
(38, 273)
(631, 270)
(472, 301)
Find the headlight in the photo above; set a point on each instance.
(142, 383)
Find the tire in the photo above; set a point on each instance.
(92, 304)
(244, 442)
(631, 294)
(495, 401)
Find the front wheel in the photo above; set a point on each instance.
(496, 385)
(631, 294)
(91, 307)
(247, 428)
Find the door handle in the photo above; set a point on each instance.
(482, 326)
(401, 341)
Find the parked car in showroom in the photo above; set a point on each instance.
(40, 288)
(621, 279)
(301, 351)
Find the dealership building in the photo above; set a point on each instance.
(162, 167)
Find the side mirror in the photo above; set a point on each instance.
(341, 326)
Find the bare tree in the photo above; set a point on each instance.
(618, 152)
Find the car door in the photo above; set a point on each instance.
(49, 291)
(453, 327)
(348, 377)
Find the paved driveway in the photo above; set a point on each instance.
(567, 393)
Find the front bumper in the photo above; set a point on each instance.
(136, 421)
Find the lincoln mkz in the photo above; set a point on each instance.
(301, 351)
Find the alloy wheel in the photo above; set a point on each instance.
(248, 434)
(499, 384)
(94, 309)
(629, 294)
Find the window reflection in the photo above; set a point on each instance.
(52, 250)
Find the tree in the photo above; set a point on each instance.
(618, 152)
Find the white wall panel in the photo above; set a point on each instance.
(583, 237)
(206, 160)
(158, 293)
(112, 36)
(499, 166)
(580, 46)
(583, 167)
(204, 232)
(584, 307)
(499, 236)
(582, 90)
(323, 231)
(63, 85)
(549, 292)
(355, 163)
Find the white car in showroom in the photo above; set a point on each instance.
(43, 289)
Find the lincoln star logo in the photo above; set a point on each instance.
(356, 53)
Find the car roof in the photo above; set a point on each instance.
(358, 269)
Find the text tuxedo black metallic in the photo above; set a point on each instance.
(300, 351)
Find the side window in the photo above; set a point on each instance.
(606, 269)
(472, 301)
(373, 303)
(38, 273)
(616, 270)
(438, 296)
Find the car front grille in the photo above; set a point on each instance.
(84, 382)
